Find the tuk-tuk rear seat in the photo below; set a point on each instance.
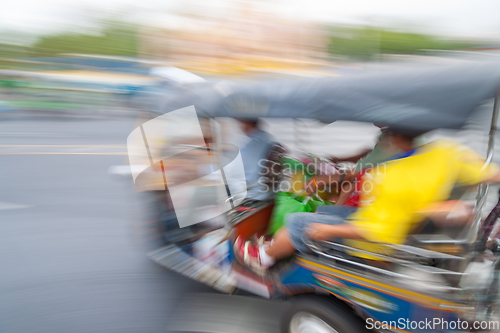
(252, 221)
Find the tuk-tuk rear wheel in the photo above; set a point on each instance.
(302, 322)
(316, 314)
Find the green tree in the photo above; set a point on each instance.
(363, 43)
(115, 39)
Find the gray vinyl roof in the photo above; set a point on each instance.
(415, 98)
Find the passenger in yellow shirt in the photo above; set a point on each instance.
(404, 191)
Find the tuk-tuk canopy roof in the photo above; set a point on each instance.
(418, 99)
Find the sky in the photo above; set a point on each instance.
(457, 18)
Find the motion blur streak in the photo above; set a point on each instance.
(197, 312)
(76, 79)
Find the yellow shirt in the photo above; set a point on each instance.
(396, 190)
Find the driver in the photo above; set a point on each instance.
(405, 191)
(384, 150)
(393, 144)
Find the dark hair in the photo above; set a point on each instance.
(409, 134)
(253, 122)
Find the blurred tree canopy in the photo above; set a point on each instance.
(117, 39)
(364, 43)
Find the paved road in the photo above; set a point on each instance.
(68, 255)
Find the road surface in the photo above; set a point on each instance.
(69, 257)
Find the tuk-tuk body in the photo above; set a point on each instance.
(386, 295)
(382, 304)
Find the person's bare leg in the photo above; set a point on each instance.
(282, 246)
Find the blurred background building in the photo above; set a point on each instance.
(74, 76)
(105, 60)
(247, 38)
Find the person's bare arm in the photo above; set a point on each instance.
(495, 178)
(344, 195)
(452, 212)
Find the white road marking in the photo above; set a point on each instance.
(7, 205)
(54, 135)
(63, 150)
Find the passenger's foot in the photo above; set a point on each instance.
(248, 254)
(264, 240)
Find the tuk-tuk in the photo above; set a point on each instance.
(429, 284)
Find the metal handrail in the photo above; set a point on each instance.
(318, 251)
(428, 254)
(483, 189)
(400, 262)
(240, 192)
